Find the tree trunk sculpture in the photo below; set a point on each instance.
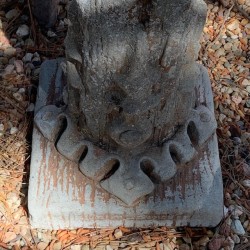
(125, 129)
(137, 106)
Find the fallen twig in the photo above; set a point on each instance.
(32, 23)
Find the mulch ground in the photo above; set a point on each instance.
(225, 46)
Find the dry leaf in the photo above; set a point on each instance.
(157, 246)
(125, 229)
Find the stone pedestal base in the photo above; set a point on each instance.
(60, 196)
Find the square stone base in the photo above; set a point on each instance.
(60, 196)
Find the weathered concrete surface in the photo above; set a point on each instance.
(131, 113)
(61, 197)
(127, 136)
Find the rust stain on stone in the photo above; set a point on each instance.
(53, 165)
(187, 176)
(55, 172)
(98, 152)
(47, 203)
(57, 169)
(50, 218)
(42, 150)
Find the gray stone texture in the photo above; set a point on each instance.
(45, 11)
(127, 134)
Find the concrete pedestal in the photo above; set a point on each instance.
(60, 196)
